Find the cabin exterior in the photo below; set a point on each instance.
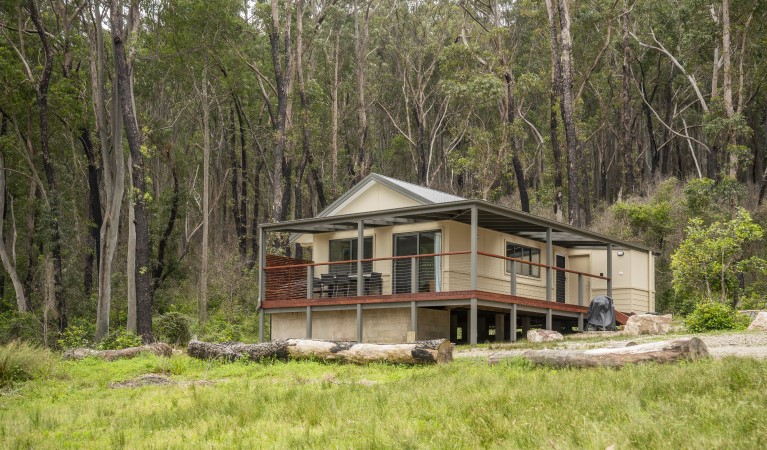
(434, 265)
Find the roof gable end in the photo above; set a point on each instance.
(419, 194)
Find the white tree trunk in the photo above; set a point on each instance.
(157, 348)
(655, 352)
(727, 88)
(9, 262)
(420, 352)
(131, 263)
(203, 295)
(113, 171)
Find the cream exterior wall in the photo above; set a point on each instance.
(633, 279)
(388, 325)
(633, 273)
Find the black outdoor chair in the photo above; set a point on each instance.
(328, 281)
(374, 284)
(342, 285)
(317, 287)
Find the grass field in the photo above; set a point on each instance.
(465, 404)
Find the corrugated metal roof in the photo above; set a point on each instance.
(428, 194)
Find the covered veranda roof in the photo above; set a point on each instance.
(489, 216)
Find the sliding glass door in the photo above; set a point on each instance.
(427, 271)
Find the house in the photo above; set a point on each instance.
(435, 265)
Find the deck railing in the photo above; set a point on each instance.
(433, 272)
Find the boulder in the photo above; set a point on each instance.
(640, 324)
(543, 336)
(759, 323)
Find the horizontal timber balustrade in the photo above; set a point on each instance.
(294, 279)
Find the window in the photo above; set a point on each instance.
(345, 250)
(523, 253)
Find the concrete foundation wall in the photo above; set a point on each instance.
(388, 325)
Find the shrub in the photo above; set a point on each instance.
(173, 328)
(218, 329)
(20, 326)
(21, 361)
(121, 338)
(710, 316)
(75, 336)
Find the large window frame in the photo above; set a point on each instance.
(346, 250)
(524, 253)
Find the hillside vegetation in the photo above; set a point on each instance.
(143, 142)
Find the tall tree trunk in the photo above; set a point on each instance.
(519, 174)
(34, 197)
(334, 112)
(627, 138)
(202, 304)
(282, 81)
(362, 160)
(41, 91)
(230, 141)
(305, 132)
(556, 88)
(133, 135)
(568, 119)
(727, 88)
(131, 256)
(160, 272)
(9, 258)
(94, 227)
(113, 175)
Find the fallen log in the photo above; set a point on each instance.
(158, 348)
(656, 352)
(420, 352)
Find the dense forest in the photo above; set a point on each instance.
(143, 141)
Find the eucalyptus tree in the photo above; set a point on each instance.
(121, 34)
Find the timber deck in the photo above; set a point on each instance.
(488, 300)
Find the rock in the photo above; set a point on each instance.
(640, 324)
(543, 336)
(759, 323)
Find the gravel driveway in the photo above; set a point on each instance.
(720, 345)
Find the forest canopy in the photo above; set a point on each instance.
(143, 141)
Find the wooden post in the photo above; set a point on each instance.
(500, 327)
(359, 322)
(414, 275)
(414, 319)
(308, 322)
(309, 282)
(513, 278)
(473, 322)
(549, 251)
(548, 319)
(261, 265)
(580, 289)
(473, 259)
(360, 257)
(261, 325)
(513, 322)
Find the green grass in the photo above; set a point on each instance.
(465, 404)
